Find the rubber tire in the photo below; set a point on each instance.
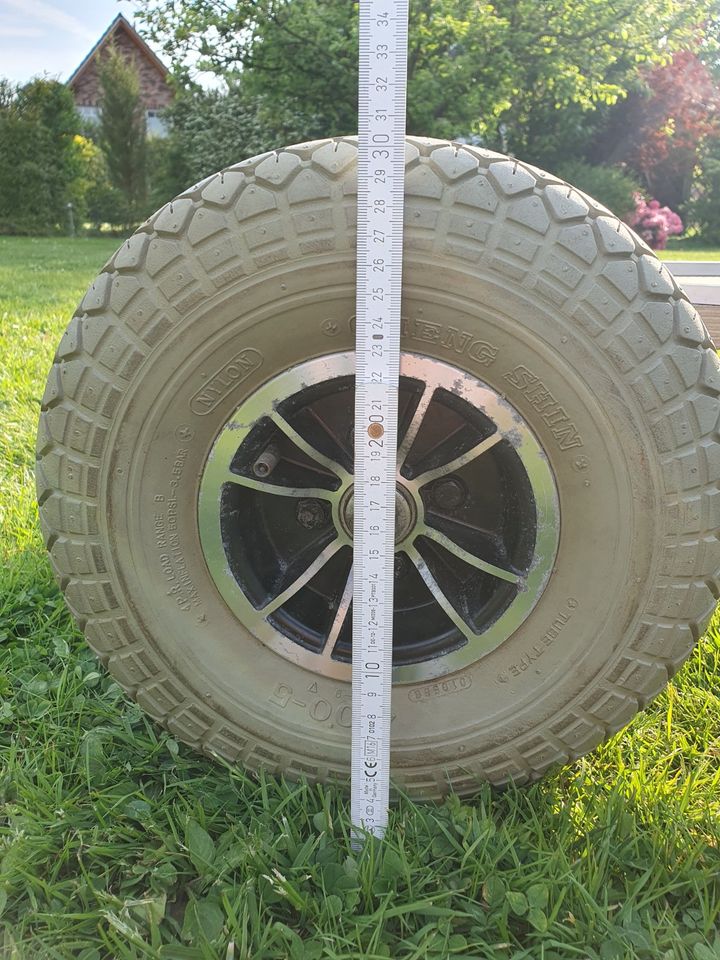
(511, 275)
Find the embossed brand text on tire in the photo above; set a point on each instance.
(227, 377)
(554, 415)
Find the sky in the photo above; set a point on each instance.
(52, 36)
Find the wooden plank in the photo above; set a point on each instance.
(710, 314)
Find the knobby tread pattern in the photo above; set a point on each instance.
(468, 204)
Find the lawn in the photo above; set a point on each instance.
(118, 842)
(689, 249)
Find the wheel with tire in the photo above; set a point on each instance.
(557, 500)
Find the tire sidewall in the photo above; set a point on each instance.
(503, 335)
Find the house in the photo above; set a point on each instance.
(154, 87)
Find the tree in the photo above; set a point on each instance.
(123, 133)
(660, 130)
(210, 129)
(40, 158)
(503, 72)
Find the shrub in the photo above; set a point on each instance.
(703, 211)
(40, 158)
(98, 200)
(211, 129)
(612, 187)
(653, 223)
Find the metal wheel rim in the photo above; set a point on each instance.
(512, 436)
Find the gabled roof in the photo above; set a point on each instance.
(119, 23)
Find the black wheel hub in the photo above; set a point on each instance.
(467, 521)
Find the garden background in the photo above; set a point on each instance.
(621, 99)
(118, 842)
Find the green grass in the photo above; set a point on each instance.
(691, 248)
(116, 842)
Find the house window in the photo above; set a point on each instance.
(89, 113)
(156, 126)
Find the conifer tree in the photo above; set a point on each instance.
(123, 132)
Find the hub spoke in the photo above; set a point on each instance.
(303, 579)
(472, 454)
(482, 566)
(469, 528)
(470, 558)
(438, 594)
(279, 491)
(441, 441)
(414, 425)
(328, 431)
(339, 618)
(312, 452)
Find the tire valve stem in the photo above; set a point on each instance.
(266, 462)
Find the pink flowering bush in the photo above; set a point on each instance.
(654, 223)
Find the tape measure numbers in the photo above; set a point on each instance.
(381, 185)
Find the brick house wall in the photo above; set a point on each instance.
(155, 91)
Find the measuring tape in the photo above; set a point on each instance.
(381, 187)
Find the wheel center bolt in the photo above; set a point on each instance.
(448, 493)
(311, 514)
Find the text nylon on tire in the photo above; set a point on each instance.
(557, 491)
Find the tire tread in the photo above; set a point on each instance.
(501, 213)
